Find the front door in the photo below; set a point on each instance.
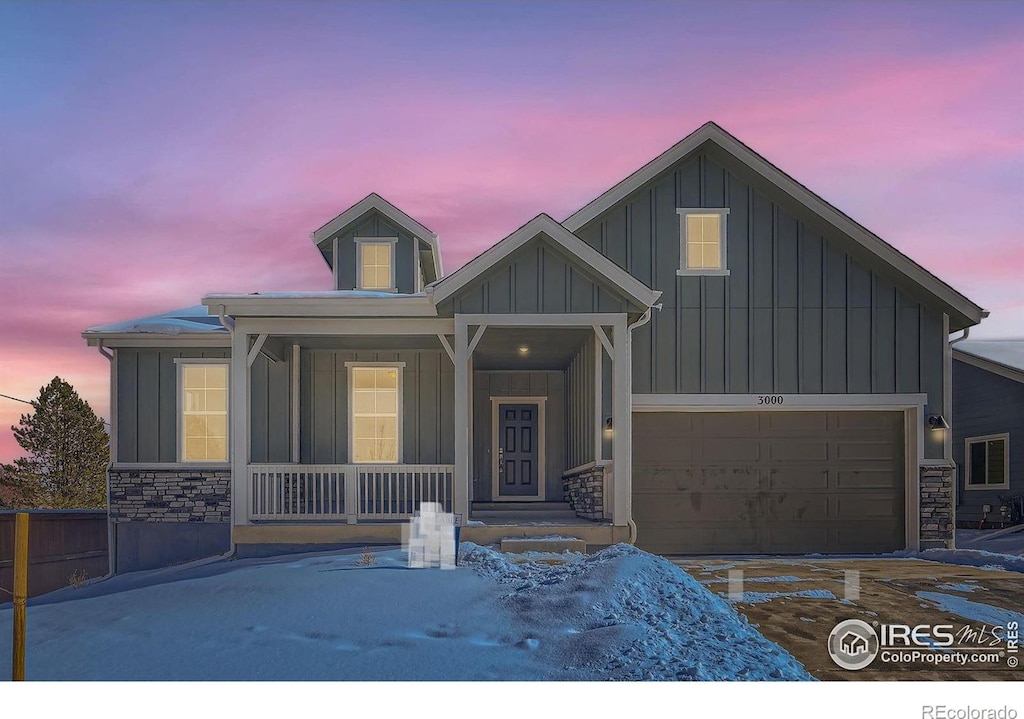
(517, 450)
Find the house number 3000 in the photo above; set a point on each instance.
(769, 399)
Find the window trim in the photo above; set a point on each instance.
(360, 243)
(179, 408)
(1005, 436)
(400, 408)
(723, 213)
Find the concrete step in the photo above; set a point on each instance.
(556, 545)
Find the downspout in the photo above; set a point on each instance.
(231, 331)
(110, 467)
(644, 319)
(949, 411)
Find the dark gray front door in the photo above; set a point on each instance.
(517, 450)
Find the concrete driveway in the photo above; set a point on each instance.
(796, 602)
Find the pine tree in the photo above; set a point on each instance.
(67, 451)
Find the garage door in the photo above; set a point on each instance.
(768, 482)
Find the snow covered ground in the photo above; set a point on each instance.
(991, 540)
(619, 614)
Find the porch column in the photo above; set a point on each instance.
(460, 480)
(622, 450)
(239, 418)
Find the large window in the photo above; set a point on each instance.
(377, 264)
(702, 234)
(203, 411)
(988, 462)
(375, 433)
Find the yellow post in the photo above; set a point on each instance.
(20, 594)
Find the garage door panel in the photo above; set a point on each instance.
(855, 451)
(769, 482)
(727, 424)
(865, 508)
(795, 450)
(729, 451)
(783, 422)
(853, 479)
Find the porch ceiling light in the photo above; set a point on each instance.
(524, 350)
(938, 422)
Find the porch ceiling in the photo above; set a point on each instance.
(547, 348)
(365, 342)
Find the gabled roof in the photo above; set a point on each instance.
(373, 201)
(967, 312)
(600, 265)
(1004, 357)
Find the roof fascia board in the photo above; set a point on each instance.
(378, 203)
(153, 340)
(256, 306)
(775, 176)
(988, 365)
(631, 287)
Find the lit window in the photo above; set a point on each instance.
(702, 235)
(376, 266)
(988, 460)
(375, 419)
(204, 412)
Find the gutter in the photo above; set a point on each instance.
(644, 319)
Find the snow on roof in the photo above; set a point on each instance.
(1008, 352)
(186, 320)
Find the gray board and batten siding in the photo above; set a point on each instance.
(428, 405)
(407, 254)
(804, 309)
(985, 404)
(539, 277)
(147, 408)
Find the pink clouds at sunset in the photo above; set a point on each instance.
(152, 153)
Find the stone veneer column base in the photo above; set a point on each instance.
(936, 502)
(584, 491)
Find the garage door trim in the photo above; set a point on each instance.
(912, 406)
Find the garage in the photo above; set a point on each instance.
(781, 482)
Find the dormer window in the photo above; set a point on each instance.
(376, 262)
(702, 235)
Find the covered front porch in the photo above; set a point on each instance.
(503, 420)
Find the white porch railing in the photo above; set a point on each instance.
(347, 492)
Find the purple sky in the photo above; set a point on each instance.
(152, 153)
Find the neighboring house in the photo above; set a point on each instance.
(707, 358)
(988, 428)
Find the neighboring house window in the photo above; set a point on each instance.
(203, 411)
(377, 264)
(375, 427)
(988, 462)
(702, 234)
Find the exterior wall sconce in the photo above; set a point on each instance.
(608, 429)
(938, 422)
(524, 350)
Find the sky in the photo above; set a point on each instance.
(152, 153)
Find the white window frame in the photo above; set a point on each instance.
(400, 408)
(362, 242)
(1005, 436)
(723, 219)
(179, 391)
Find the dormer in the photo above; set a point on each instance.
(375, 247)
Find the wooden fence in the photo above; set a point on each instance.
(65, 546)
